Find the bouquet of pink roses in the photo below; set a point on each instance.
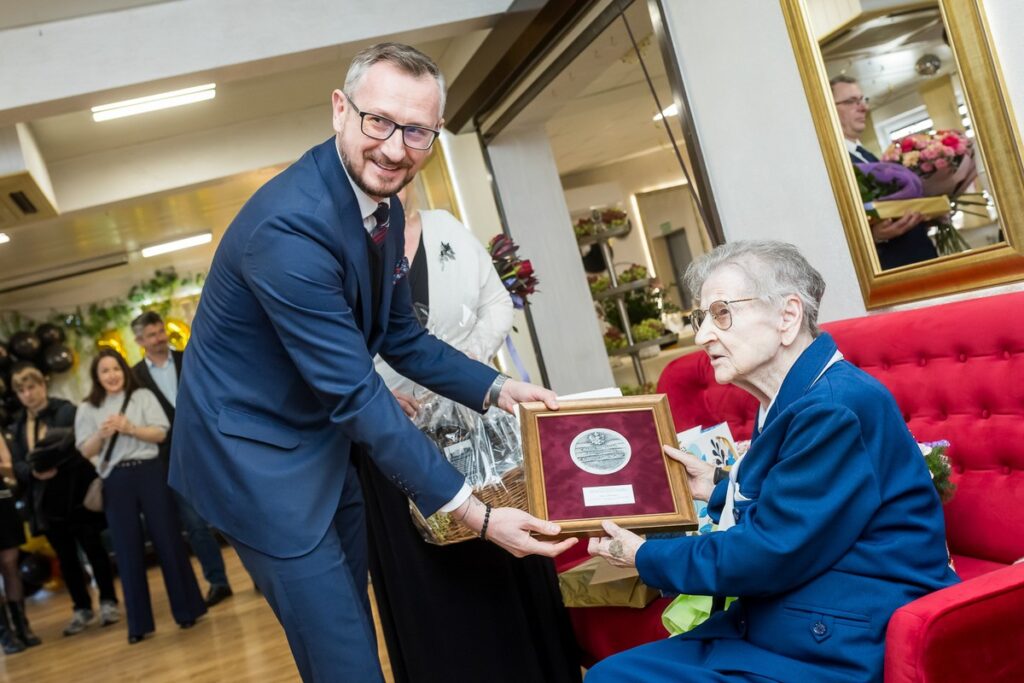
(925, 153)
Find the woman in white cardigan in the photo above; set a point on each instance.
(505, 614)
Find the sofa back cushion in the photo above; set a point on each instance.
(957, 373)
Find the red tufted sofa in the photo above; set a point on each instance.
(957, 372)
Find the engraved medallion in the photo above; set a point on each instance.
(600, 451)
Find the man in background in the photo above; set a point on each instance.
(159, 371)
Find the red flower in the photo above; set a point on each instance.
(525, 269)
(951, 141)
(906, 144)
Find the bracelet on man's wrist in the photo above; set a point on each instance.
(494, 393)
(720, 474)
(487, 519)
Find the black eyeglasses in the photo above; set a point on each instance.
(856, 101)
(381, 128)
(720, 314)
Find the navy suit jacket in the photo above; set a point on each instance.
(278, 381)
(839, 525)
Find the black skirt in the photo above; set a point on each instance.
(464, 612)
(12, 527)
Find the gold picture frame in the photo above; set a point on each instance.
(998, 141)
(661, 499)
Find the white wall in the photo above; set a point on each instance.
(759, 143)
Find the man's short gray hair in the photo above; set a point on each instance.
(774, 270)
(407, 59)
(841, 78)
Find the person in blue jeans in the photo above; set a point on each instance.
(159, 371)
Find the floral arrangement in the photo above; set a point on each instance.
(888, 180)
(599, 221)
(935, 457)
(516, 273)
(925, 153)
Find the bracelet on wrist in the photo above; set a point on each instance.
(487, 519)
(720, 474)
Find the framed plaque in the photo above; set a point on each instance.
(600, 459)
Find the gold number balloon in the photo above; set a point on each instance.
(178, 333)
(112, 339)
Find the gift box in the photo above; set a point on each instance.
(928, 207)
(595, 583)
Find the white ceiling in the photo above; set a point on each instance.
(15, 13)
(597, 111)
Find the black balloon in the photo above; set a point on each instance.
(35, 570)
(5, 358)
(49, 334)
(58, 358)
(24, 345)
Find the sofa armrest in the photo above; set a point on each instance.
(972, 629)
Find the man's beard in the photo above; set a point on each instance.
(371, 191)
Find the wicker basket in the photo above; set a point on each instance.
(441, 529)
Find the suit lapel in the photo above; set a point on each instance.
(350, 221)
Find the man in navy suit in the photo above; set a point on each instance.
(278, 384)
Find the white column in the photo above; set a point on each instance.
(475, 197)
(534, 205)
(759, 143)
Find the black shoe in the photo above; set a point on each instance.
(20, 623)
(135, 639)
(187, 624)
(9, 640)
(217, 594)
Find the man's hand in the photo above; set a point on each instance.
(514, 391)
(510, 529)
(409, 405)
(891, 228)
(44, 475)
(701, 474)
(619, 547)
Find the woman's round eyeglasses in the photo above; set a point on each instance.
(719, 312)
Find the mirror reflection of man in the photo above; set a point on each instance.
(899, 241)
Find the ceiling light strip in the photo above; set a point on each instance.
(141, 105)
(185, 243)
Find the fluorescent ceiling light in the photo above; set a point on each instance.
(141, 105)
(670, 110)
(185, 243)
(4, 239)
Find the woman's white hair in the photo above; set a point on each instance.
(406, 58)
(773, 269)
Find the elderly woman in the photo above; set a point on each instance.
(829, 523)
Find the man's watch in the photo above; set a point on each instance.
(495, 391)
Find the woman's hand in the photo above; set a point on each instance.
(45, 474)
(408, 404)
(701, 474)
(120, 423)
(619, 547)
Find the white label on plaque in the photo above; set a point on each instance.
(594, 496)
(600, 451)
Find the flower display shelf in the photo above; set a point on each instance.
(623, 288)
(671, 338)
(604, 235)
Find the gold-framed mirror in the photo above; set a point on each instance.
(928, 68)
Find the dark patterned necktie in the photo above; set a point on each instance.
(380, 230)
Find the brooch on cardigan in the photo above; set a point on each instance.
(447, 253)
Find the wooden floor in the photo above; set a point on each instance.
(238, 640)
